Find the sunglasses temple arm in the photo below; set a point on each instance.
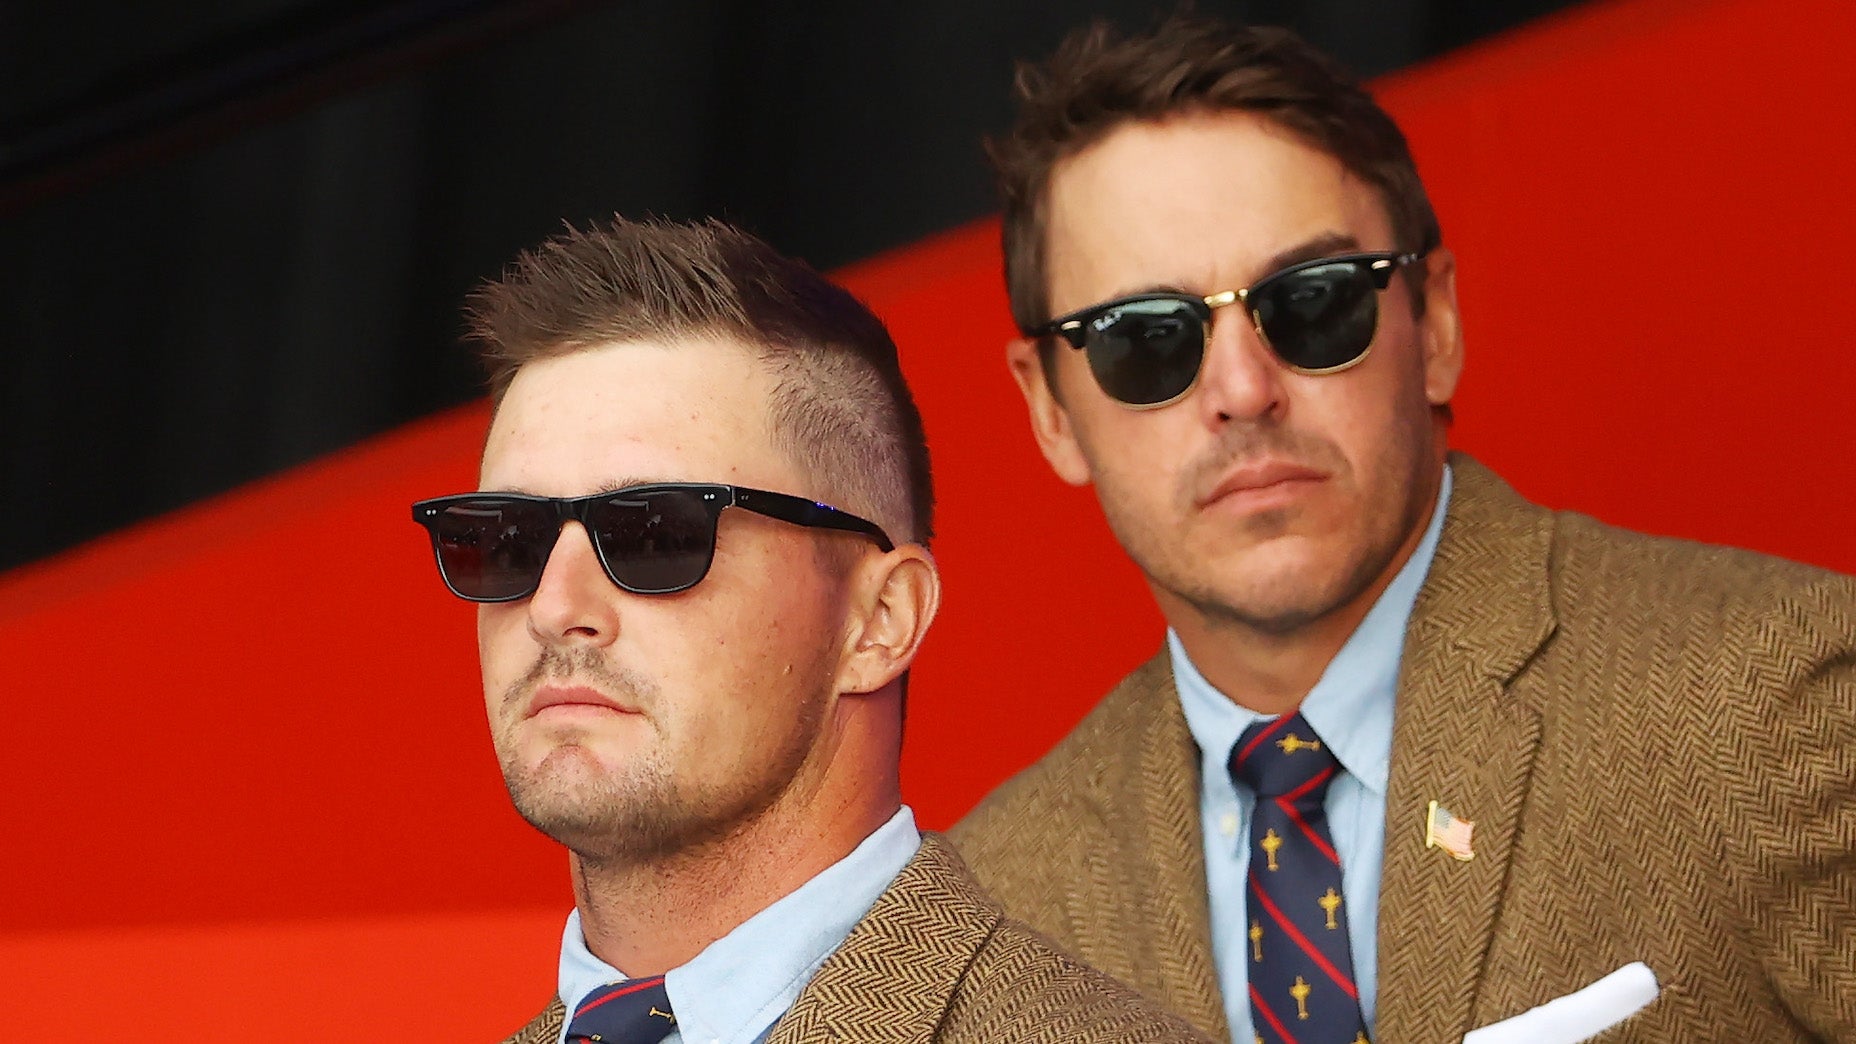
(802, 512)
(819, 516)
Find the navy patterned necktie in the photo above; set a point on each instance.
(1301, 965)
(631, 1011)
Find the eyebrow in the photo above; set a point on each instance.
(599, 490)
(1323, 245)
(628, 483)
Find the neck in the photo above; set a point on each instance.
(647, 917)
(1270, 671)
(1268, 674)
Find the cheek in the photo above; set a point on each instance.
(774, 654)
(732, 702)
(772, 651)
(1384, 432)
(1137, 455)
(743, 661)
(1372, 411)
(504, 649)
(734, 656)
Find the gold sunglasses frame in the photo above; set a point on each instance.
(1380, 264)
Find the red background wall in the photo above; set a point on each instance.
(245, 764)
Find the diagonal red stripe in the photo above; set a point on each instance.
(1259, 738)
(1320, 778)
(1326, 849)
(1314, 954)
(1256, 1003)
(631, 988)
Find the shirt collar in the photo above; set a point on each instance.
(1350, 707)
(741, 984)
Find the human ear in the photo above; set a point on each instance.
(1050, 422)
(896, 596)
(1441, 328)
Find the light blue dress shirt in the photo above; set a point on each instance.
(1350, 708)
(739, 985)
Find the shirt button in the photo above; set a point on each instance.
(1227, 824)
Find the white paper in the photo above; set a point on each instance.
(1577, 1016)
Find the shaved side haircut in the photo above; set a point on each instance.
(840, 408)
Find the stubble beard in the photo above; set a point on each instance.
(1284, 604)
(641, 813)
(1288, 601)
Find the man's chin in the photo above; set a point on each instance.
(585, 813)
(562, 768)
(539, 750)
(1273, 589)
(616, 829)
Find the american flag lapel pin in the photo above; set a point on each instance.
(1445, 831)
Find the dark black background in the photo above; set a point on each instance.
(234, 236)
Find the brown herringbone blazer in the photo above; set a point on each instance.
(936, 960)
(1655, 739)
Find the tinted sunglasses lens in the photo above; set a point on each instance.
(493, 550)
(1145, 353)
(655, 543)
(1320, 317)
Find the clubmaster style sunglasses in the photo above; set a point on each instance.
(654, 539)
(1318, 317)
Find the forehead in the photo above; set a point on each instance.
(1197, 202)
(618, 413)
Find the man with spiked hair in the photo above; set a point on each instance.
(699, 551)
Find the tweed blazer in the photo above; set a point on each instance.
(936, 960)
(1655, 740)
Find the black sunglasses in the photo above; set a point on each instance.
(655, 539)
(1318, 317)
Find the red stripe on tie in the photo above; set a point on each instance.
(1256, 889)
(1244, 754)
(1320, 777)
(1256, 1002)
(641, 984)
(1326, 849)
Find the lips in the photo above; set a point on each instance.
(1260, 477)
(549, 696)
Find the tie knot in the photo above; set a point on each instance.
(631, 1011)
(1284, 758)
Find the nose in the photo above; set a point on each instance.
(1240, 378)
(575, 603)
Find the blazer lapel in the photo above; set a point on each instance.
(544, 1028)
(894, 976)
(1159, 844)
(1460, 740)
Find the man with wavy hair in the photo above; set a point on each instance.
(1418, 756)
